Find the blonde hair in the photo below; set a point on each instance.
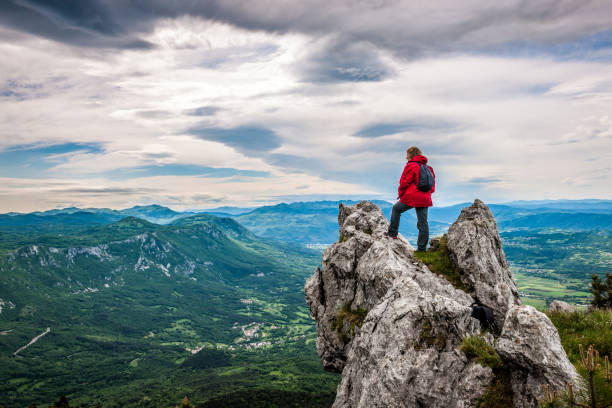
(413, 151)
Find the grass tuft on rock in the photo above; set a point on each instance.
(354, 318)
(438, 261)
(498, 394)
(477, 348)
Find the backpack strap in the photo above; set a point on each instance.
(419, 163)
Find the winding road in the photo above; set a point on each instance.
(34, 340)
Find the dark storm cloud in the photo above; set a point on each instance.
(245, 139)
(340, 62)
(76, 22)
(349, 36)
(407, 29)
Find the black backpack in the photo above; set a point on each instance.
(484, 316)
(426, 178)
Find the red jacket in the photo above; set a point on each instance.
(408, 193)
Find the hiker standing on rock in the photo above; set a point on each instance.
(415, 188)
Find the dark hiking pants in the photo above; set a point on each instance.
(422, 225)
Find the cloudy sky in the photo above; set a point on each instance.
(200, 104)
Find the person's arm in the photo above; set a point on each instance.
(406, 179)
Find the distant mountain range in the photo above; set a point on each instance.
(316, 221)
(72, 215)
(585, 206)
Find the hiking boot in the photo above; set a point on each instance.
(386, 234)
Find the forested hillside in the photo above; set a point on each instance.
(132, 312)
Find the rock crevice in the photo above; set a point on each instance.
(405, 352)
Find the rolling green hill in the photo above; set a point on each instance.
(128, 304)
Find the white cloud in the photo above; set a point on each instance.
(532, 125)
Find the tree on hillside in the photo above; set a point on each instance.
(602, 291)
(62, 403)
(186, 403)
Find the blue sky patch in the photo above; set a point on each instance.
(594, 47)
(32, 161)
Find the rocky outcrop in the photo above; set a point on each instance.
(351, 275)
(475, 247)
(393, 328)
(559, 306)
(531, 343)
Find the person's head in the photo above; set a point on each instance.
(412, 151)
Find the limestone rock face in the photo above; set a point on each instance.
(475, 247)
(393, 328)
(351, 274)
(559, 306)
(406, 352)
(531, 342)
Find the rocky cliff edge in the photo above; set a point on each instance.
(394, 329)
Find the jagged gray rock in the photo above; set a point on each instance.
(406, 351)
(343, 280)
(475, 247)
(531, 343)
(559, 306)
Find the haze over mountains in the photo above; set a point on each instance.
(315, 221)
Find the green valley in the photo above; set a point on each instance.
(151, 313)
